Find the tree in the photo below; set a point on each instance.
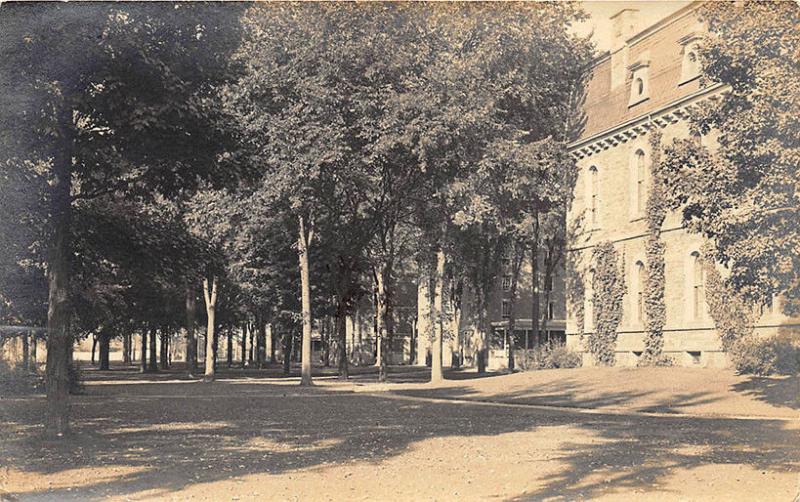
(736, 180)
(110, 87)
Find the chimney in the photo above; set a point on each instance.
(623, 26)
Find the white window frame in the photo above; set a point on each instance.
(640, 71)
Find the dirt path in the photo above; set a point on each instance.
(267, 439)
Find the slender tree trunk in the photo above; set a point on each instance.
(535, 281)
(229, 347)
(288, 343)
(437, 372)
(164, 353)
(94, 346)
(25, 352)
(153, 351)
(210, 296)
(273, 344)
(380, 318)
(243, 344)
(143, 350)
(455, 299)
(303, 242)
(262, 343)
(341, 336)
(191, 341)
(34, 345)
(252, 345)
(104, 341)
(483, 346)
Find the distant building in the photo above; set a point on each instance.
(648, 81)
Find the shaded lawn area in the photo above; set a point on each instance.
(267, 438)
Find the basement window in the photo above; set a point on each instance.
(695, 355)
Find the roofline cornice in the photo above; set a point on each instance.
(638, 126)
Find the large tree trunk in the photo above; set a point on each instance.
(437, 372)
(143, 350)
(126, 348)
(153, 354)
(191, 341)
(273, 344)
(381, 313)
(105, 341)
(59, 339)
(303, 242)
(210, 297)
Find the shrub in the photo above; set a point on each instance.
(18, 381)
(657, 360)
(545, 358)
(765, 356)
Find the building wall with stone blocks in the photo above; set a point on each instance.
(614, 160)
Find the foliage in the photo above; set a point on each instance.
(765, 356)
(742, 193)
(731, 310)
(609, 289)
(655, 309)
(548, 357)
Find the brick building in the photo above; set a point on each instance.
(647, 81)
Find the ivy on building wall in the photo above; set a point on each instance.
(732, 314)
(608, 292)
(655, 309)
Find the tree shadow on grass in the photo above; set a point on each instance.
(777, 391)
(175, 434)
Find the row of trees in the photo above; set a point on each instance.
(151, 154)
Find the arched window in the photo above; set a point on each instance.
(698, 286)
(594, 201)
(640, 285)
(639, 86)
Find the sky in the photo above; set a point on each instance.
(600, 11)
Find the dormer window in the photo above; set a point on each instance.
(690, 64)
(639, 85)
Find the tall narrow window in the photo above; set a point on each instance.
(506, 283)
(506, 311)
(641, 187)
(698, 286)
(551, 310)
(640, 284)
(594, 202)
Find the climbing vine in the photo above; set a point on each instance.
(732, 314)
(608, 291)
(654, 306)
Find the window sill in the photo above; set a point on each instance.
(637, 100)
(686, 80)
